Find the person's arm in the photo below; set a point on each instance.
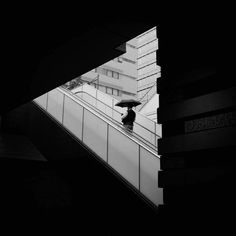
(134, 115)
(123, 116)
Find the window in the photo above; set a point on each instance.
(112, 91)
(115, 92)
(112, 74)
(109, 73)
(109, 90)
(115, 75)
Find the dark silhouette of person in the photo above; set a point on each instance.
(128, 119)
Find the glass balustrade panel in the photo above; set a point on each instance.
(95, 134)
(123, 156)
(101, 106)
(108, 111)
(145, 122)
(55, 104)
(102, 97)
(89, 89)
(117, 116)
(149, 167)
(144, 133)
(42, 100)
(73, 115)
(89, 99)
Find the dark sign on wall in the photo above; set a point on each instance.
(211, 122)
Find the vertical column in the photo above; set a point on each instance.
(197, 107)
(139, 167)
(82, 137)
(63, 108)
(47, 102)
(112, 108)
(155, 137)
(107, 141)
(96, 96)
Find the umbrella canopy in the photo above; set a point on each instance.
(128, 103)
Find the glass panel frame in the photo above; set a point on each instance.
(95, 134)
(73, 117)
(123, 156)
(55, 104)
(42, 100)
(149, 167)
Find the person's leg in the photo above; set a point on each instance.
(126, 128)
(131, 129)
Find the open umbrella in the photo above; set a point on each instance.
(128, 103)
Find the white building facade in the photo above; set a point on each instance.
(117, 77)
(148, 72)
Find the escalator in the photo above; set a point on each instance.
(144, 129)
(143, 126)
(130, 156)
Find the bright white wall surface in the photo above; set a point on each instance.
(152, 105)
(149, 47)
(146, 36)
(148, 70)
(147, 59)
(131, 53)
(126, 66)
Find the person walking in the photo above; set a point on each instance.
(128, 119)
